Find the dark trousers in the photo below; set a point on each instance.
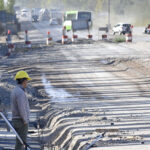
(22, 130)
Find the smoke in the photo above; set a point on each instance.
(130, 11)
(135, 12)
(56, 95)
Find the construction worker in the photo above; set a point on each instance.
(20, 108)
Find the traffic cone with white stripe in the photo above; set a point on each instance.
(9, 43)
(104, 37)
(49, 38)
(74, 38)
(8, 37)
(64, 36)
(129, 37)
(90, 37)
(27, 42)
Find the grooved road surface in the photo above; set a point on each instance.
(87, 89)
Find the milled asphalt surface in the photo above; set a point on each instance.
(79, 89)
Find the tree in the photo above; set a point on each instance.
(2, 7)
(99, 5)
(10, 6)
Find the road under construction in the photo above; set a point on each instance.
(80, 91)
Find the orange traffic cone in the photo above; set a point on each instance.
(64, 36)
(9, 43)
(74, 38)
(129, 37)
(27, 42)
(49, 38)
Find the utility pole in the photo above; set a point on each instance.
(109, 25)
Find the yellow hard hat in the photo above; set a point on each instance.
(21, 75)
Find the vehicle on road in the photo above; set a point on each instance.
(53, 21)
(57, 15)
(122, 28)
(77, 20)
(35, 14)
(17, 8)
(35, 18)
(17, 13)
(24, 13)
(147, 29)
(44, 15)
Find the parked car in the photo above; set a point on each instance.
(44, 15)
(24, 13)
(147, 29)
(53, 21)
(17, 14)
(34, 18)
(122, 28)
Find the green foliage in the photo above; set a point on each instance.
(2, 7)
(10, 6)
(99, 5)
(119, 39)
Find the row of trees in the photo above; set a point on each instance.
(63, 4)
(117, 6)
(9, 6)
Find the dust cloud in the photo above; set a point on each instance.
(135, 12)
